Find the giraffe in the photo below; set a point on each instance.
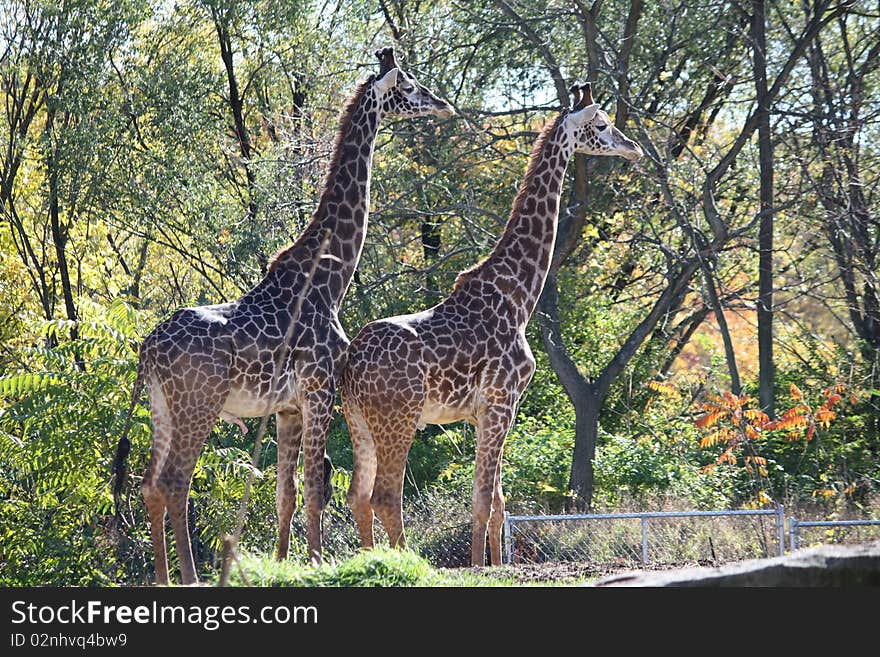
(219, 360)
(466, 358)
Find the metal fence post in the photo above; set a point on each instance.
(508, 540)
(793, 534)
(780, 528)
(644, 541)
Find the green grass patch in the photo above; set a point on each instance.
(378, 567)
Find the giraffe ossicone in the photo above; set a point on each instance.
(466, 358)
(219, 361)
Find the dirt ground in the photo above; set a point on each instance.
(566, 572)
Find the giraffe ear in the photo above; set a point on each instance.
(388, 81)
(582, 116)
(575, 91)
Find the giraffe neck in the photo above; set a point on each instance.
(344, 205)
(520, 261)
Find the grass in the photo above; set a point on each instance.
(379, 567)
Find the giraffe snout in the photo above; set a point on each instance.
(445, 111)
(634, 152)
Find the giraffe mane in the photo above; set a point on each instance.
(520, 199)
(345, 117)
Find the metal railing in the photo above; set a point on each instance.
(794, 527)
(511, 522)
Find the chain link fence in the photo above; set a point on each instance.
(438, 527)
(808, 533)
(640, 539)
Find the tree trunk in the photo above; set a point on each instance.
(431, 242)
(765, 231)
(236, 107)
(586, 435)
(580, 391)
(59, 232)
(717, 308)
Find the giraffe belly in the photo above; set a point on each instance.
(245, 403)
(435, 412)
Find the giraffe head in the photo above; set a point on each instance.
(592, 130)
(400, 94)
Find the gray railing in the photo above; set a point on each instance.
(794, 527)
(511, 523)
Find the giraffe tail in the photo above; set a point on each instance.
(123, 447)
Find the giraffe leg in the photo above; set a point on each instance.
(317, 410)
(155, 504)
(392, 447)
(363, 473)
(496, 519)
(156, 510)
(290, 428)
(152, 494)
(175, 485)
(492, 426)
(192, 423)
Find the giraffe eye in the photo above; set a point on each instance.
(601, 126)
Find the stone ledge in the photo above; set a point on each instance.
(827, 565)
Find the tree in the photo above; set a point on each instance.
(699, 246)
(765, 223)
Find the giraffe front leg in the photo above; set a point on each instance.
(496, 519)
(317, 410)
(289, 428)
(488, 503)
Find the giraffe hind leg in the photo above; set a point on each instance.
(154, 499)
(190, 431)
(364, 471)
(392, 439)
(180, 430)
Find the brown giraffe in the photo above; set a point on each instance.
(219, 360)
(466, 358)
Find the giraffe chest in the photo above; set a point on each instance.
(456, 390)
(448, 401)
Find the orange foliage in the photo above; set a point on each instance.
(744, 426)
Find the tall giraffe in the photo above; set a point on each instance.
(219, 360)
(466, 358)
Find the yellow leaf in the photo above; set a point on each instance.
(662, 388)
(796, 394)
